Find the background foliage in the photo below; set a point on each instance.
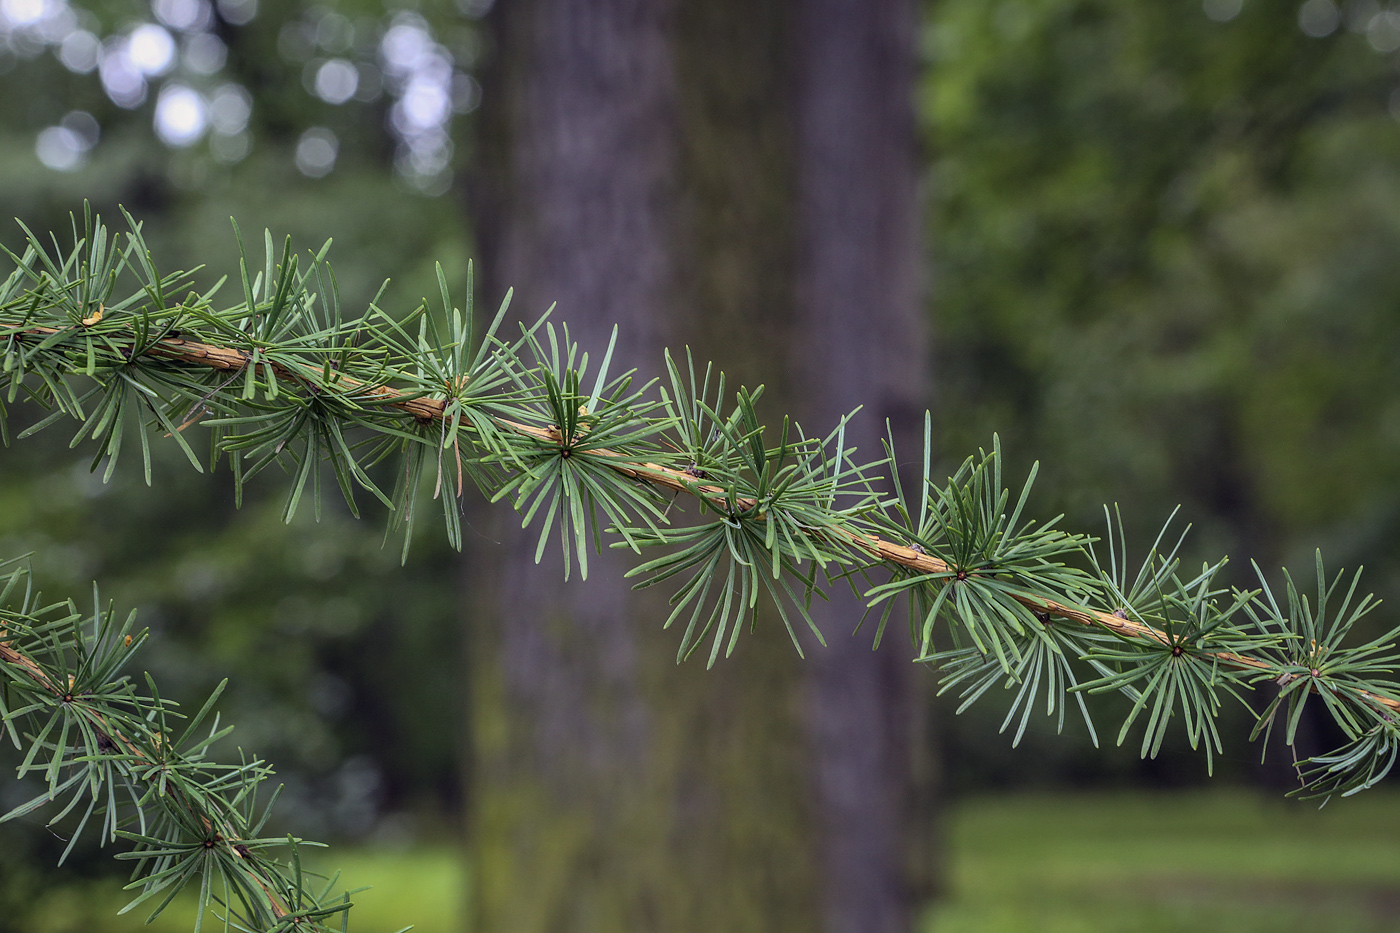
(1161, 241)
(375, 644)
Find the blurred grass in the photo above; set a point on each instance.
(1237, 861)
(423, 887)
(1197, 861)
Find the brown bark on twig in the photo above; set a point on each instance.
(424, 408)
(680, 481)
(12, 656)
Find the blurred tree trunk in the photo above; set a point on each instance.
(647, 163)
(862, 341)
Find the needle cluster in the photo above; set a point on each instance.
(411, 409)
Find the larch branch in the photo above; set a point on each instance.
(426, 408)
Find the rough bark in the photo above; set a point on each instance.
(614, 790)
(863, 342)
(641, 164)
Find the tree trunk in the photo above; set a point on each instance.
(863, 342)
(640, 165)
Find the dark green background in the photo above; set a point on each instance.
(1161, 261)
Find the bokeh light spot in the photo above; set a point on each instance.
(405, 44)
(79, 51)
(1222, 11)
(1318, 18)
(316, 152)
(61, 149)
(238, 12)
(1383, 31)
(336, 81)
(205, 53)
(425, 104)
(230, 149)
(186, 15)
(151, 49)
(230, 108)
(84, 124)
(334, 33)
(25, 12)
(121, 79)
(181, 116)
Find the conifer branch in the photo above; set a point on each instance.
(185, 816)
(428, 408)
(283, 377)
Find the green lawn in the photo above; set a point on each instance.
(1195, 862)
(425, 887)
(1127, 863)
